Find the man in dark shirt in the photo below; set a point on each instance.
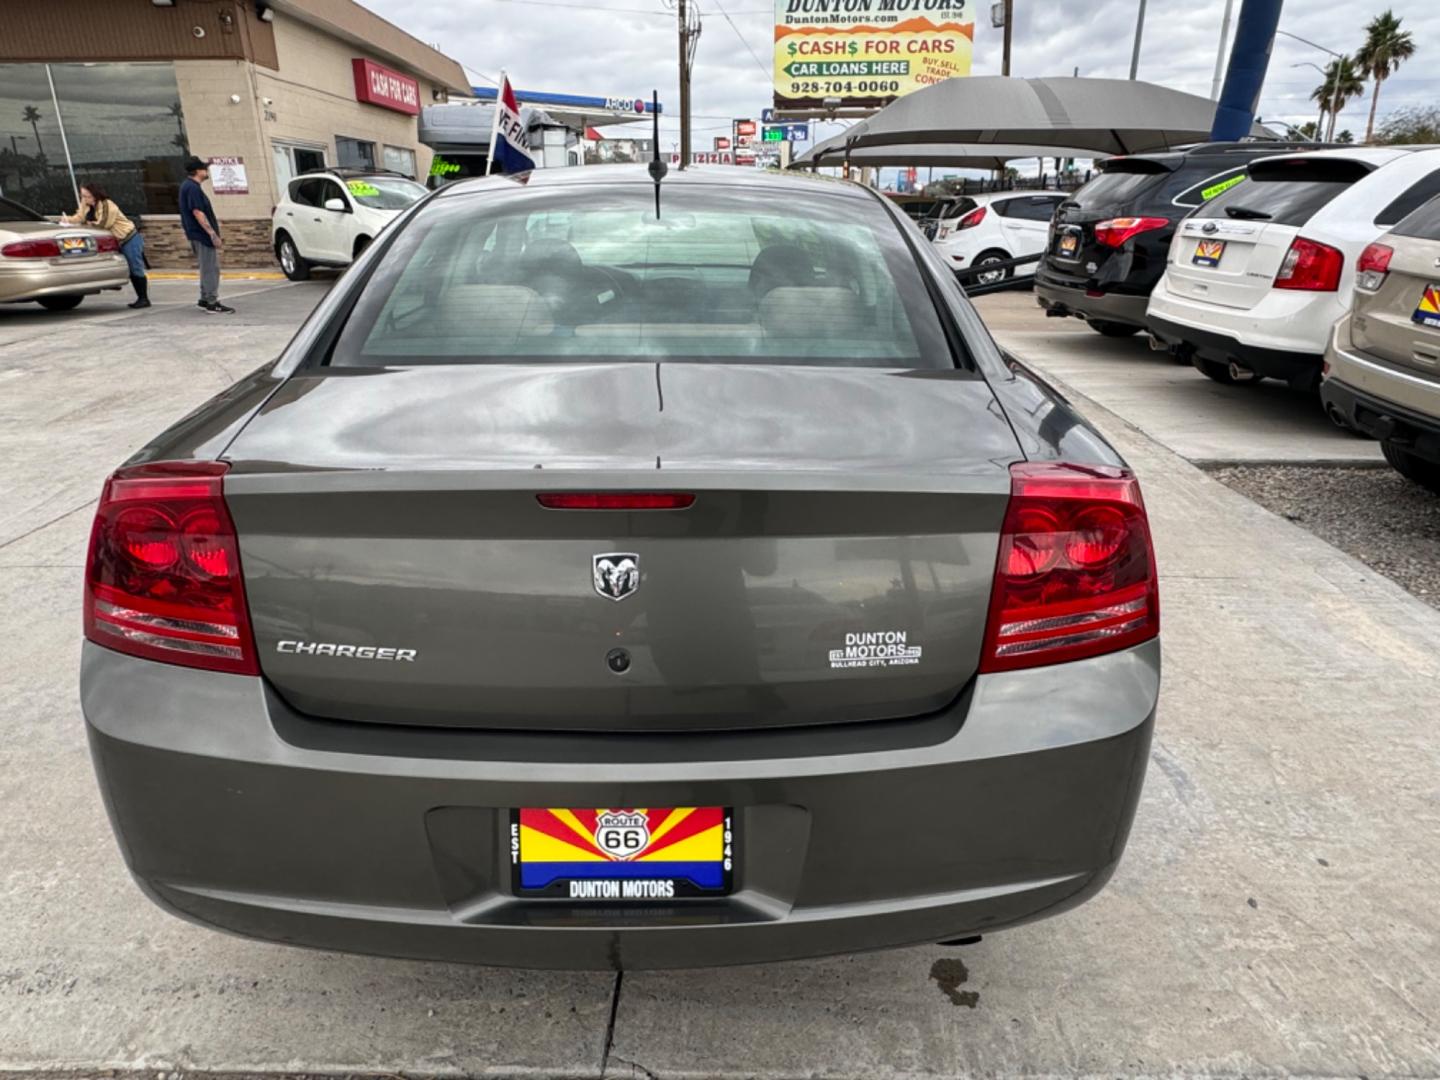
(197, 217)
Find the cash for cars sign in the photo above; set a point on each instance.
(868, 52)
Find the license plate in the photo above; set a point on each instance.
(624, 854)
(74, 245)
(1208, 252)
(1069, 245)
(1427, 312)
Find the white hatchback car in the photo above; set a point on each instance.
(1256, 277)
(998, 227)
(327, 217)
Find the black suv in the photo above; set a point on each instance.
(1109, 240)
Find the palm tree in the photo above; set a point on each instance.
(31, 116)
(1343, 81)
(1386, 48)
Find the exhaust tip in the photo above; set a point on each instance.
(1240, 373)
(1156, 345)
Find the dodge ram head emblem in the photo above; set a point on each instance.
(616, 574)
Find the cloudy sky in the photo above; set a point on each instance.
(626, 47)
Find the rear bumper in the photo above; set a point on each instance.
(32, 279)
(1108, 307)
(1383, 402)
(236, 813)
(1223, 348)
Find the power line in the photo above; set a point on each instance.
(753, 55)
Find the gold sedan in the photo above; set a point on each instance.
(56, 266)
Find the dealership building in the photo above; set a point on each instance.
(119, 92)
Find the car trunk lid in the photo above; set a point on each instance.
(836, 563)
(1400, 322)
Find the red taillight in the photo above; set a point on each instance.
(31, 249)
(973, 218)
(163, 577)
(1310, 266)
(1374, 264)
(1076, 570)
(616, 500)
(1116, 231)
(107, 243)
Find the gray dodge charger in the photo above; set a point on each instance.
(622, 575)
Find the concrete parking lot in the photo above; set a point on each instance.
(1275, 913)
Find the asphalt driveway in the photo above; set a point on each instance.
(1275, 914)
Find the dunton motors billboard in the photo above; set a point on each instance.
(867, 53)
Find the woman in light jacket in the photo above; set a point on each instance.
(98, 210)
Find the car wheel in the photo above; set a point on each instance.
(990, 277)
(1113, 329)
(60, 303)
(291, 261)
(1425, 473)
(1220, 372)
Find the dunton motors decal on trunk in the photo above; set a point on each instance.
(625, 853)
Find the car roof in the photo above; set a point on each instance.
(1219, 150)
(350, 171)
(736, 176)
(1369, 155)
(1017, 193)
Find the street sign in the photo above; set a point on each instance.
(722, 142)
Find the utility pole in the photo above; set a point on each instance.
(1009, 20)
(685, 36)
(1220, 54)
(1139, 31)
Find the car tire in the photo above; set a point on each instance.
(60, 303)
(1416, 469)
(291, 261)
(1113, 329)
(992, 256)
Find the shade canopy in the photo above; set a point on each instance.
(955, 155)
(1094, 117)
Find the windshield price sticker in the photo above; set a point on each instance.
(1218, 189)
(876, 648)
(360, 189)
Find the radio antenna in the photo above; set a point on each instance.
(658, 168)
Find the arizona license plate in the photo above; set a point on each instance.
(1069, 245)
(622, 853)
(1208, 252)
(1427, 312)
(74, 245)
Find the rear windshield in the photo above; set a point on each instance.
(958, 208)
(11, 211)
(384, 192)
(586, 272)
(1423, 224)
(1115, 187)
(1282, 202)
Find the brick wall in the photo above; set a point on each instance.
(247, 245)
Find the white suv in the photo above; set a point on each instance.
(327, 217)
(996, 228)
(1256, 277)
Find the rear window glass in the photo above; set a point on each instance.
(587, 272)
(1112, 188)
(1282, 202)
(1209, 188)
(1423, 224)
(958, 208)
(1417, 193)
(12, 211)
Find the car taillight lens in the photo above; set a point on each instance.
(1076, 571)
(162, 580)
(616, 500)
(1116, 231)
(973, 218)
(107, 243)
(1374, 264)
(1310, 266)
(31, 249)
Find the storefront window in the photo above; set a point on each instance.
(398, 159)
(355, 153)
(123, 124)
